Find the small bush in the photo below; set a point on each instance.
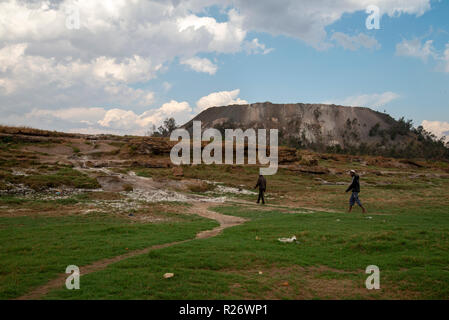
(201, 187)
(128, 188)
(63, 177)
(374, 131)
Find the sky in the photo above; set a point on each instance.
(123, 66)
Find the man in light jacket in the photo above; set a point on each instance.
(355, 187)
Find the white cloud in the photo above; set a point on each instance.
(254, 46)
(85, 115)
(100, 120)
(60, 119)
(35, 80)
(307, 20)
(124, 95)
(135, 69)
(119, 120)
(167, 86)
(174, 107)
(128, 121)
(355, 42)
(222, 98)
(438, 128)
(445, 59)
(414, 48)
(119, 45)
(224, 37)
(367, 100)
(180, 111)
(200, 65)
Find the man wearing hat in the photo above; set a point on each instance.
(355, 187)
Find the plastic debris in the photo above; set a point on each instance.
(288, 240)
(168, 275)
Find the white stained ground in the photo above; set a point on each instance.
(220, 188)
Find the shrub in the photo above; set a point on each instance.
(63, 177)
(374, 131)
(201, 187)
(128, 188)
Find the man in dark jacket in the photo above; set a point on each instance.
(262, 184)
(355, 187)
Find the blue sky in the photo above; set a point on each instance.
(120, 67)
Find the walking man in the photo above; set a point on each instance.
(262, 184)
(355, 187)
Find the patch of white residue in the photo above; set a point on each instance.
(156, 196)
(19, 173)
(223, 189)
(17, 189)
(217, 200)
(302, 211)
(212, 182)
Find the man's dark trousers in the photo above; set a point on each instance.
(261, 191)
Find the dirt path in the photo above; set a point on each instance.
(202, 209)
(199, 208)
(279, 207)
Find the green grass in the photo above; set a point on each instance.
(34, 250)
(410, 248)
(407, 237)
(64, 176)
(38, 204)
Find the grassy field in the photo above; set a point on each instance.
(64, 219)
(410, 246)
(329, 261)
(45, 238)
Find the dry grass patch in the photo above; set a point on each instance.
(315, 282)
